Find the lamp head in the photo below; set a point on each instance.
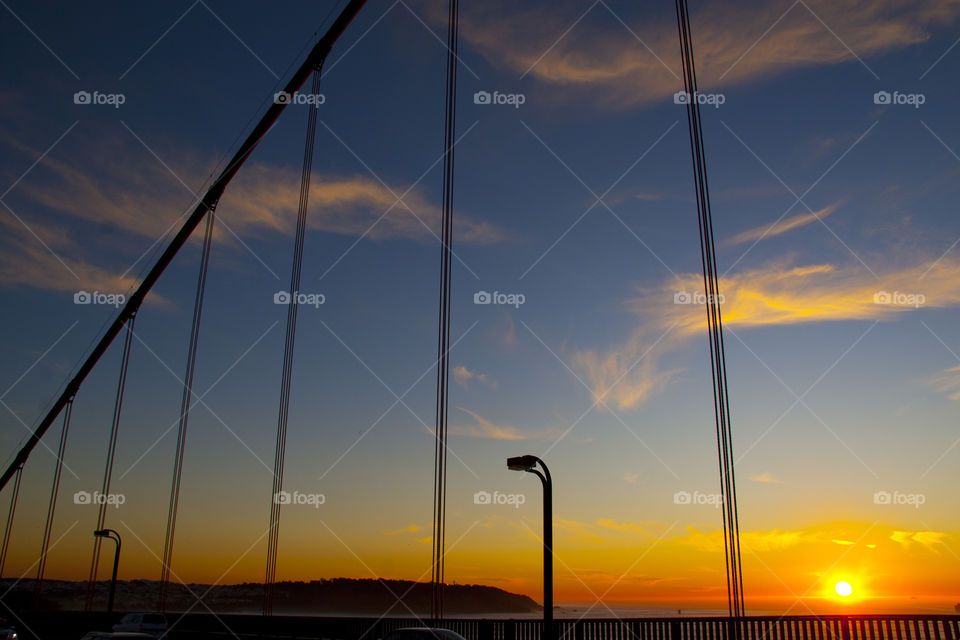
(101, 533)
(521, 463)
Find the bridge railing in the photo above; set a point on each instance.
(73, 625)
(865, 627)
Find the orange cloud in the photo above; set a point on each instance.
(778, 293)
(793, 222)
(74, 208)
(483, 428)
(462, 375)
(621, 60)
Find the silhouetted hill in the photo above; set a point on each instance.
(337, 596)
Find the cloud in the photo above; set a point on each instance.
(948, 381)
(624, 377)
(649, 196)
(770, 540)
(776, 293)
(413, 528)
(483, 428)
(24, 260)
(267, 196)
(462, 375)
(780, 293)
(626, 59)
(114, 194)
(765, 477)
(931, 540)
(628, 527)
(630, 477)
(789, 224)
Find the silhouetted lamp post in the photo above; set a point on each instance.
(111, 535)
(528, 463)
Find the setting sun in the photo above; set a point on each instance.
(843, 588)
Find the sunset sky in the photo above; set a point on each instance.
(834, 159)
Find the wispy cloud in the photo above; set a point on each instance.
(932, 540)
(483, 428)
(765, 478)
(781, 293)
(788, 224)
(948, 381)
(410, 529)
(123, 197)
(777, 293)
(735, 42)
(463, 376)
(625, 377)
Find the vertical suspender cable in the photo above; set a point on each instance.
(108, 469)
(443, 341)
(731, 525)
(185, 404)
(9, 527)
(288, 351)
(54, 490)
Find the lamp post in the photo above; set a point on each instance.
(111, 535)
(528, 463)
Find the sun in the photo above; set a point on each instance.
(843, 588)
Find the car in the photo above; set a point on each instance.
(154, 624)
(423, 633)
(8, 634)
(118, 635)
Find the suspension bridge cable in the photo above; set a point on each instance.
(108, 468)
(9, 528)
(443, 340)
(52, 506)
(725, 456)
(185, 404)
(288, 347)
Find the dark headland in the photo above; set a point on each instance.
(337, 596)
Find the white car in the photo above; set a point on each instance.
(154, 624)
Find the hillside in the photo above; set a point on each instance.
(337, 596)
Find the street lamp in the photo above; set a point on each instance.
(528, 463)
(111, 535)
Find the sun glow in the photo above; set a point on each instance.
(843, 589)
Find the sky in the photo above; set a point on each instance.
(577, 311)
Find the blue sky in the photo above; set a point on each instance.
(822, 198)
